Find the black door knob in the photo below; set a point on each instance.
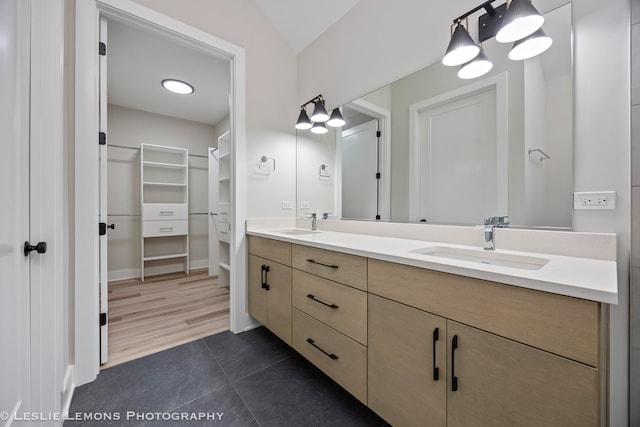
(41, 248)
(111, 226)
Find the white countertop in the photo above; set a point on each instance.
(590, 279)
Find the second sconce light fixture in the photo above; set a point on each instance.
(517, 21)
(319, 117)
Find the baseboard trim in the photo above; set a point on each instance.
(134, 273)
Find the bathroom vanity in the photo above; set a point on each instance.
(432, 333)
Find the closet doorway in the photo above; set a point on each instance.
(163, 284)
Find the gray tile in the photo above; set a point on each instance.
(635, 11)
(634, 397)
(635, 145)
(635, 64)
(246, 353)
(635, 226)
(635, 307)
(295, 393)
(160, 382)
(223, 407)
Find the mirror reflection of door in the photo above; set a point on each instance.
(359, 169)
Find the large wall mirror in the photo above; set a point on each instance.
(434, 148)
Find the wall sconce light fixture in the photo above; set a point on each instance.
(516, 21)
(319, 117)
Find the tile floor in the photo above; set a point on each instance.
(253, 379)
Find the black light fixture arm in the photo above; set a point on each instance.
(313, 100)
(486, 6)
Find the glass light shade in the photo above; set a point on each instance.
(319, 112)
(303, 122)
(319, 128)
(530, 46)
(336, 120)
(177, 86)
(461, 48)
(479, 66)
(521, 20)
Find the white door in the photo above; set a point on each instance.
(103, 279)
(458, 160)
(14, 209)
(359, 169)
(214, 267)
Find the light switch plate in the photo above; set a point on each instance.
(288, 205)
(304, 205)
(594, 200)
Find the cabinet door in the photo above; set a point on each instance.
(403, 386)
(257, 294)
(504, 383)
(278, 279)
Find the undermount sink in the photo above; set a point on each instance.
(298, 232)
(522, 262)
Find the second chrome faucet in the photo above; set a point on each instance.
(489, 224)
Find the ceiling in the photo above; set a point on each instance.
(300, 22)
(139, 60)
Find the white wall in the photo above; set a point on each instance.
(130, 127)
(342, 65)
(272, 108)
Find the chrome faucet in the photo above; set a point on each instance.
(325, 215)
(489, 224)
(313, 221)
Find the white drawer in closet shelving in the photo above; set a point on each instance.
(164, 211)
(165, 228)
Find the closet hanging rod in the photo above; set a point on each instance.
(138, 149)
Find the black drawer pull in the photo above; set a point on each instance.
(263, 273)
(454, 379)
(436, 370)
(312, 297)
(323, 264)
(330, 355)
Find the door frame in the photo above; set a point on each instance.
(384, 154)
(499, 81)
(88, 13)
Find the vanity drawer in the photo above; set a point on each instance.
(339, 267)
(338, 356)
(165, 228)
(563, 325)
(274, 250)
(164, 211)
(341, 307)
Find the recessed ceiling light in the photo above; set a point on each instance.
(177, 86)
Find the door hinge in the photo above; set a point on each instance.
(378, 217)
(378, 175)
(102, 138)
(102, 48)
(378, 134)
(102, 228)
(103, 319)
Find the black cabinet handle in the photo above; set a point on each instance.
(323, 264)
(436, 370)
(40, 248)
(263, 276)
(312, 297)
(454, 379)
(329, 355)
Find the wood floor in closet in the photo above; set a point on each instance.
(162, 312)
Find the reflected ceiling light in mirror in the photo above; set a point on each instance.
(177, 86)
(336, 120)
(319, 128)
(479, 66)
(530, 46)
(461, 47)
(303, 122)
(510, 22)
(521, 20)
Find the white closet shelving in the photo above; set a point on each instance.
(164, 176)
(223, 223)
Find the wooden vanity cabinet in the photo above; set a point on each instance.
(269, 285)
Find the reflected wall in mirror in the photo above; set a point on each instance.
(433, 148)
